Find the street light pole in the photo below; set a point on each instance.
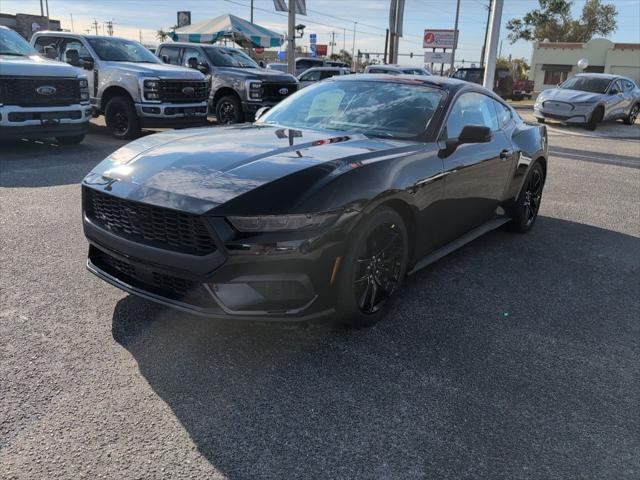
(486, 34)
(353, 47)
(291, 38)
(455, 33)
(492, 48)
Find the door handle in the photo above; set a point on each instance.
(504, 154)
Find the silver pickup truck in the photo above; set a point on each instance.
(40, 98)
(128, 84)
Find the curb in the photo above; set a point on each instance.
(555, 129)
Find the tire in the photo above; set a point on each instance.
(596, 118)
(121, 118)
(541, 120)
(382, 240)
(70, 140)
(229, 110)
(527, 205)
(633, 115)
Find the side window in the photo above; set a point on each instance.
(192, 53)
(47, 47)
(304, 64)
(471, 109)
(67, 49)
(328, 73)
(172, 54)
(504, 114)
(617, 87)
(311, 76)
(628, 86)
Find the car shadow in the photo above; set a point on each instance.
(595, 157)
(510, 357)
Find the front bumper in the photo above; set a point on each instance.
(40, 122)
(565, 114)
(265, 279)
(172, 115)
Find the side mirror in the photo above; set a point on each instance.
(50, 52)
(88, 63)
(261, 64)
(203, 68)
(261, 111)
(614, 91)
(474, 134)
(165, 59)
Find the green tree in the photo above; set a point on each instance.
(520, 68)
(553, 22)
(162, 35)
(343, 56)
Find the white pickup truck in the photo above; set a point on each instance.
(129, 84)
(40, 98)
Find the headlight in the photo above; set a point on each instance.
(151, 84)
(84, 83)
(255, 85)
(151, 90)
(281, 223)
(255, 89)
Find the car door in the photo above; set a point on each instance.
(475, 173)
(615, 101)
(628, 88)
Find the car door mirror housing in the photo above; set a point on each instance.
(203, 68)
(88, 63)
(165, 58)
(474, 134)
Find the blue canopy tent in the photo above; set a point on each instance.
(229, 26)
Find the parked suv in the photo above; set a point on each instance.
(128, 84)
(503, 81)
(39, 97)
(239, 87)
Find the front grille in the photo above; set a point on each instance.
(183, 91)
(148, 224)
(23, 91)
(271, 92)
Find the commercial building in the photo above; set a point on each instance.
(26, 25)
(554, 62)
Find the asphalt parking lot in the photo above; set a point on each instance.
(516, 357)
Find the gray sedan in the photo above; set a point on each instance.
(588, 99)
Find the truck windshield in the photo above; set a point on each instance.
(587, 84)
(119, 50)
(13, 44)
(229, 57)
(379, 109)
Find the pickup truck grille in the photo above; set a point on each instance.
(23, 91)
(181, 91)
(147, 224)
(274, 92)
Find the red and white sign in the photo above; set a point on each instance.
(259, 50)
(321, 49)
(439, 38)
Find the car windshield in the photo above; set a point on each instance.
(229, 57)
(13, 44)
(383, 109)
(119, 50)
(414, 71)
(587, 84)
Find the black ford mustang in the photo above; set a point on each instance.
(319, 208)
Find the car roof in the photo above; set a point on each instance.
(331, 69)
(194, 44)
(58, 33)
(442, 82)
(607, 76)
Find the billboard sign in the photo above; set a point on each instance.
(184, 19)
(437, 57)
(439, 38)
(321, 50)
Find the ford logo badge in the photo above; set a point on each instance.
(283, 91)
(46, 90)
(189, 91)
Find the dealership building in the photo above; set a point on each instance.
(27, 25)
(554, 62)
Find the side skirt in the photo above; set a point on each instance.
(458, 243)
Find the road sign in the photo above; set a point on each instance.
(439, 39)
(184, 19)
(437, 57)
(312, 44)
(321, 49)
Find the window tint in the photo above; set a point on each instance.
(504, 114)
(471, 109)
(311, 76)
(172, 54)
(71, 44)
(587, 84)
(44, 44)
(328, 73)
(192, 53)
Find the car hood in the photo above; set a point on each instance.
(567, 95)
(258, 74)
(201, 169)
(35, 66)
(160, 70)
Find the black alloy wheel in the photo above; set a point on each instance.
(373, 269)
(596, 118)
(229, 110)
(121, 118)
(633, 115)
(528, 204)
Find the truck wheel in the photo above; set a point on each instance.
(229, 110)
(121, 118)
(70, 140)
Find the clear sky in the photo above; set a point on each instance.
(132, 17)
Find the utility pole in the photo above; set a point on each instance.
(455, 32)
(291, 38)
(398, 29)
(486, 33)
(46, 2)
(333, 41)
(353, 48)
(393, 8)
(109, 28)
(344, 39)
(72, 29)
(251, 11)
(95, 25)
(492, 50)
(140, 35)
(386, 47)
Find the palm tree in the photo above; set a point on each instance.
(162, 35)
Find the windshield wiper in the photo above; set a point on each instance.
(14, 54)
